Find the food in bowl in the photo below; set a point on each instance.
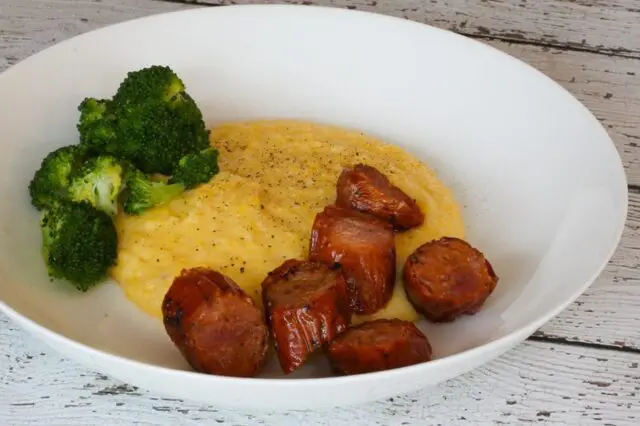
(216, 326)
(307, 307)
(258, 211)
(448, 277)
(150, 127)
(378, 345)
(365, 189)
(299, 235)
(364, 247)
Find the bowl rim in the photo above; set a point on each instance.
(462, 357)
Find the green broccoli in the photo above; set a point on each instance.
(151, 122)
(52, 179)
(144, 193)
(99, 182)
(97, 125)
(79, 243)
(156, 83)
(196, 169)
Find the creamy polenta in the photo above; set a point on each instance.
(258, 211)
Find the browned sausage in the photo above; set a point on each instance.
(378, 345)
(217, 327)
(365, 248)
(364, 188)
(447, 278)
(307, 305)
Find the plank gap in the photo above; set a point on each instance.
(542, 337)
(195, 3)
(616, 53)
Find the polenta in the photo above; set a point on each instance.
(258, 211)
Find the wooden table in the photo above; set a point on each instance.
(581, 368)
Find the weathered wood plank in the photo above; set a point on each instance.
(27, 27)
(536, 382)
(603, 26)
(609, 86)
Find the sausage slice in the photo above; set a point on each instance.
(447, 278)
(364, 247)
(217, 327)
(365, 189)
(378, 345)
(307, 305)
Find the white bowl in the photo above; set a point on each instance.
(542, 185)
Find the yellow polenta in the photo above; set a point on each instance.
(258, 211)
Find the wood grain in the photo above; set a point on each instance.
(536, 382)
(603, 26)
(27, 27)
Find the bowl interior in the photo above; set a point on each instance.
(543, 191)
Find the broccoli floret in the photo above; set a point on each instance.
(155, 82)
(97, 125)
(196, 169)
(99, 182)
(52, 179)
(144, 193)
(79, 243)
(151, 122)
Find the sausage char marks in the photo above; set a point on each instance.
(447, 278)
(378, 345)
(307, 306)
(216, 326)
(365, 189)
(364, 246)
